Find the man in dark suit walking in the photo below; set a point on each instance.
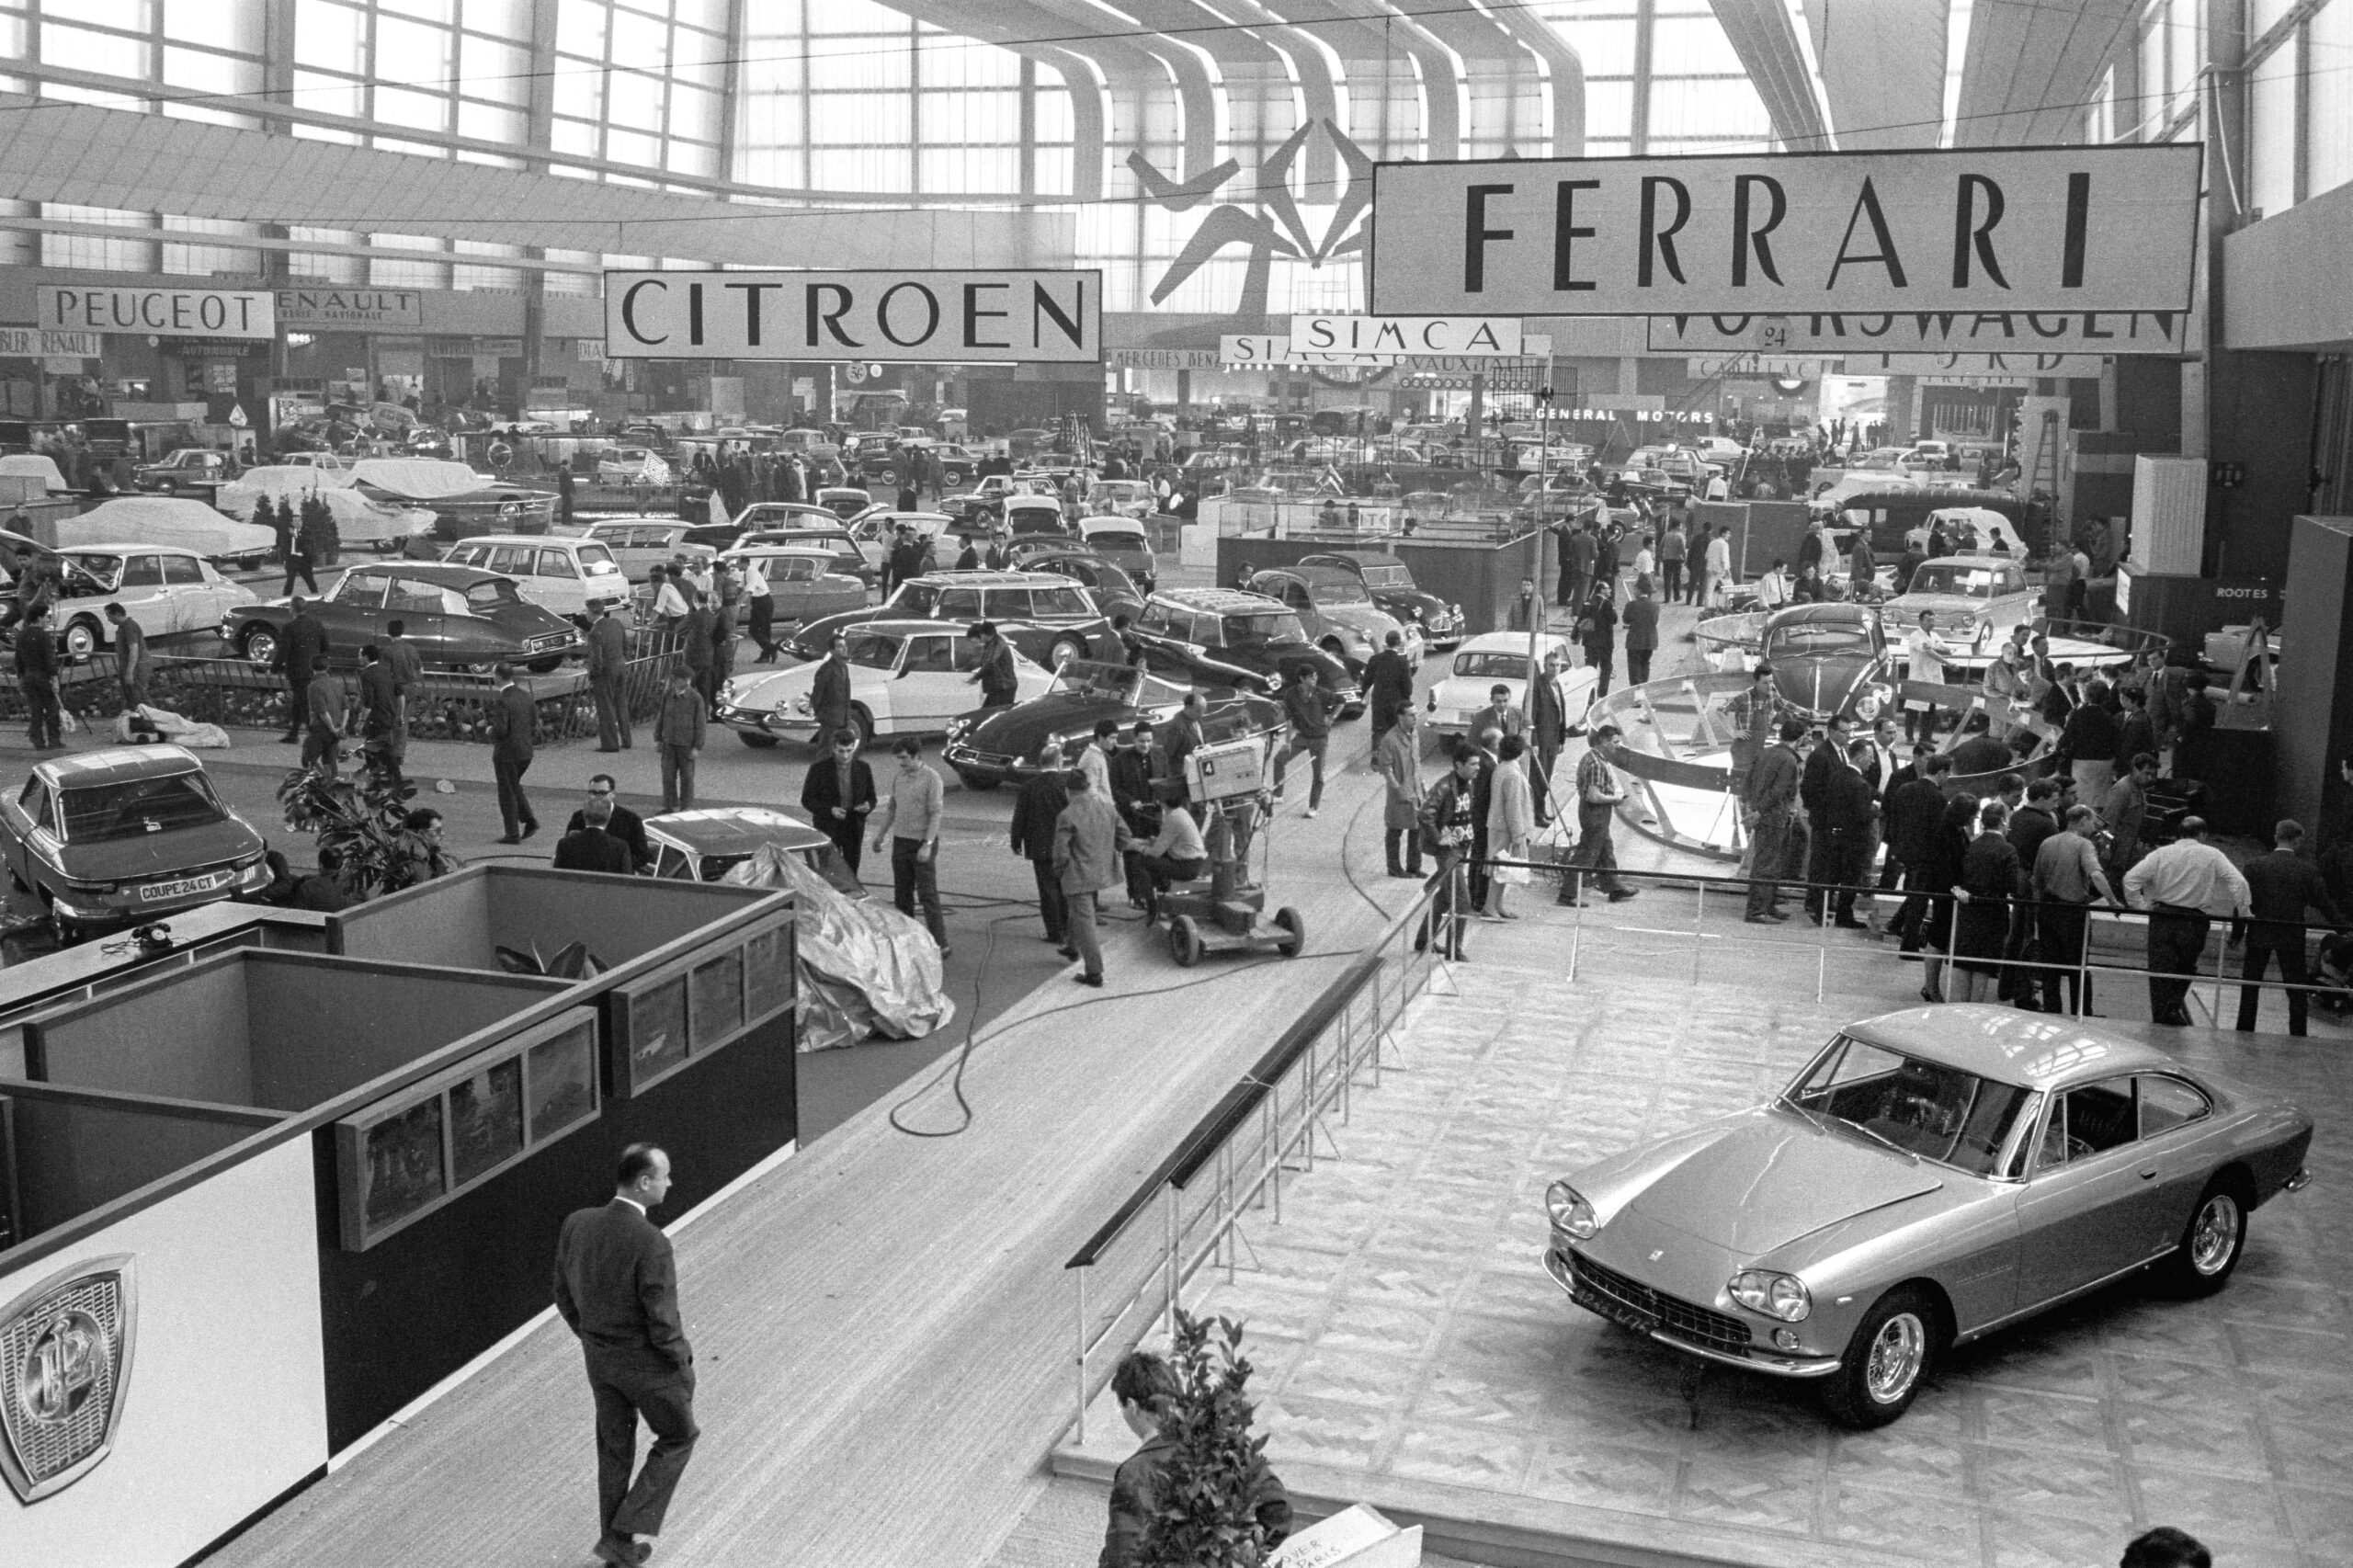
(301, 646)
(510, 718)
(838, 795)
(616, 1286)
(608, 657)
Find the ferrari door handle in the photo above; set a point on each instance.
(2149, 1172)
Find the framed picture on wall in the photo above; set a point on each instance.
(421, 1146)
(689, 1008)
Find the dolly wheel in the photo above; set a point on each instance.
(1185, 941)
(1289, 919)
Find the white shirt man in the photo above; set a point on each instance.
(755, 578)
(1773, 588)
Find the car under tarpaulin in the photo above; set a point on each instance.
(164, 520)
(865, 968)
(418, 479)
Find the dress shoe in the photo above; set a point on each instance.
(609, 749)
(621, 1552)
(1852, 925)
(1762, 919)
(1094, 980)
(508, 839)
(530, 828)
(1622, 894)
(1067, 951)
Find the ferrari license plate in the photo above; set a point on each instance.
(1615, 1310)
(149, 892)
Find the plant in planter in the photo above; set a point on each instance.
(1216, 1499)
(359, 814)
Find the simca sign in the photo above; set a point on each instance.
(1487, 336)
(897, 317)
(2052, 228)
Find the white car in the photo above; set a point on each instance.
(164, 588)
(556, 572)
(907, 678)
(632, 465)
(1977, 600)
(1500, 658)
(877, 530)
(1121, 498)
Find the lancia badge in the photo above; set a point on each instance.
(64, 1363)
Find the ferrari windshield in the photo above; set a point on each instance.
(1966, 582)
(1816, 637)
(1923, 1108)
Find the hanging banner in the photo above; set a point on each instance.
(1928, 332)
(2056, 229)
(1946, 367)
(1487, 336)
(351, 309)
(1161, 359)
(1250, 351)
(157, 313)
(897, 317)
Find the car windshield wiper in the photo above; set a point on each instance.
(1878, 1137)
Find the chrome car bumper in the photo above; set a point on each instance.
(1628, 1315)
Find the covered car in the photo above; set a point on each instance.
(1931, 1176)
(34, 465)
(1002, 744)
(1830, 661)
(118, 836)
(907, 678)
(168, 520)
(1391, 583)
(1500, 658)
(458, 618)
(463, 503)
(1977, 600)
(703, 845)
(360, 518)
(1121, 498)
(864, 969)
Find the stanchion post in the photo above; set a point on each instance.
(1169, 1306)
(1081, 1358)
(1699, 934)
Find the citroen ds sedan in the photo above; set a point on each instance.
(1931, 1177)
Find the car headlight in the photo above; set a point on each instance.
(957, 726)
(1569, 1211)
(1866, 706)
(1783, 1296)
(801, 704)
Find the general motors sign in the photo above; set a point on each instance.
(2050, 229)
(927, 317)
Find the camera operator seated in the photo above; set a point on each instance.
(1175, 853)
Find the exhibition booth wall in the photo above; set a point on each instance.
(429, 1123)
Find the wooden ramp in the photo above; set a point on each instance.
(882, 1325)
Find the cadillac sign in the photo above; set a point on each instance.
(65, 1363)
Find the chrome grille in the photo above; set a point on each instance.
(1684, 1320)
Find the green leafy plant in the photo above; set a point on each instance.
(1216, 1475)
(359, 814)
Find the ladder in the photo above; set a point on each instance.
(2046, 460)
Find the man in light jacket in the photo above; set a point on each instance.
(1090, 844)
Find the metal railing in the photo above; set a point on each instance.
(1187, 1215)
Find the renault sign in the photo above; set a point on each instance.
(901, 317)
(2108, 227)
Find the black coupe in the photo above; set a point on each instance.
(457, 617)
(994, 745)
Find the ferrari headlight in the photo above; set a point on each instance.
(1569, 1211)
(1783, 1296)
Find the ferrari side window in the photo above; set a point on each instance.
(2100, 1116)
(2167, 1103)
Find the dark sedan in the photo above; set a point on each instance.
(1830, 661)
(1251, 630)
(995, 746)
(1391, 583)
(1106, 582)
(457, 617)
(115, 837)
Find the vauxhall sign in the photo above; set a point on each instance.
(2055, 229)
(907, 317)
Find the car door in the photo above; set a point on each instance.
(20, 815)
(2088, 1208)
(354, 612)
(928, 690)
(2176, 1116)
(196, 594)
(418, 604)
(557, 574)
(793, 583)
(146, 598)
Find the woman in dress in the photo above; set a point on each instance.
(1990, 878)
(1511, 823)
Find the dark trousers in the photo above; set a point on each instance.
(1571, 587)
(850, 839)
(297, 703)
(677, 778)
(1080, 932)
(135, 689)
(1163, 869)
(1542, 756)
(2286, 944)
(2176, 941)
(1315, 746)
(1448, 907)
(612, 712)
(1476, 873)
(320, 743)
(44, 719)
(1404, 846)
(1842, 858)
(1638, 666)
(1670, 575)
(1770, 839)
(2061, 929)
(513, 806)
(1051, 905)
(1600, 659)
(298, 565)
(1698, 590)
(627, 1389)
(912, 877)
(1594, 853)
(704, 678)
(763, 627)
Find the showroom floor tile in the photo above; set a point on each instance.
(1403, 1328)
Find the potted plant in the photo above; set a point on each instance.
(1216, 1495)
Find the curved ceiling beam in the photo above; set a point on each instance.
(1762, 35)
(1882, 70)
(1081, 76)
(2031, 67)
(1564, 71)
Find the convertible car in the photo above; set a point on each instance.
(1931, 1177)
(989, 749)
(1830, 661)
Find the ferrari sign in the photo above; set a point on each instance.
(942, 318)
(2057, 229)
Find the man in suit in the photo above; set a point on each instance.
(37, 669)
(617, 1287)
(324, 702)
(608, 655)
(591, 847)
(838, 795)
(510, 716)
(1035, 811)
(408, 681)
(379, 710)
(829, 688)
(1185, 738)
(300, 648)
(620, 822)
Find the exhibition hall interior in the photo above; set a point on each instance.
(1176, 783)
